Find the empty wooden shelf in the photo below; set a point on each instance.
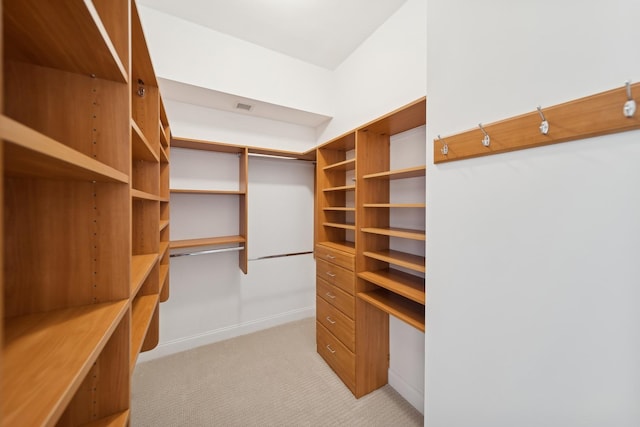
(69, 36)
(401, 283)
(391, 303)
(414, 172)
(30, 153)
(402, 259)
(52, 352)
(403, 233)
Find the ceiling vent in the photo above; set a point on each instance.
(245, 107)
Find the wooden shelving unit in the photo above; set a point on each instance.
(165, 156)
(354, 236)
(375, 253)
(335, 198)
(241, 193)
(82, 188)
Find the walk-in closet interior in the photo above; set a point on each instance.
(444, 190)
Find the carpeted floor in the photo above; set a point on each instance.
(269, 378)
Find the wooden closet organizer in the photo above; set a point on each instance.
(359, 278)
(241, 238)
(85, 182)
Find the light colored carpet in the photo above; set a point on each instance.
(269, 378)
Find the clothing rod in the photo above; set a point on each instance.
(280, 255)
(209, 251)
(273, 156)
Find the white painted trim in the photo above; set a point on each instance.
(409, 393)
(227, 332)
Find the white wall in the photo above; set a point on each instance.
(193, 54)
(386, 72)
(532, 256)
(197, 122)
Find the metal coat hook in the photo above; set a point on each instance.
(486, 141)
(141, 89)
(445, 148)
(629, 106)
(544, 125)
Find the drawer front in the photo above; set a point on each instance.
(341, 360)
(336, 297)
(337, 323)
(342, 259)
(342, 278)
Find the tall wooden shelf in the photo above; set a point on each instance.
(82, 186)
(335, 250)
(165, 228)
(357, 234)
(238, 240)
(335, 198)
(380, 283)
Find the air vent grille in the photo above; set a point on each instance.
(241, 106)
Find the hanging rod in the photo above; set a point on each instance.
(280, 255)
(209, 251)
(279, 157)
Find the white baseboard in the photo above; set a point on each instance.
(221, 334)
(408, 392)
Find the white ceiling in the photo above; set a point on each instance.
(321, 32)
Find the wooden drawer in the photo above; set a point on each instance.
(342, 259)
(342, 278)
(336, 323)
(336, 297)
(337, 356)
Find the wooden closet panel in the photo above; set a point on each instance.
(152, 337)
(105, 390)
(65, 244)
(145, 220)
(372, 348)
(145, 176)
(145, 111)
(115, 15)
(87, 114)
(243, 211)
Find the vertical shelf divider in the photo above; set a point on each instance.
(243, 209)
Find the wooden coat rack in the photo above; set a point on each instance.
(600, 114)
